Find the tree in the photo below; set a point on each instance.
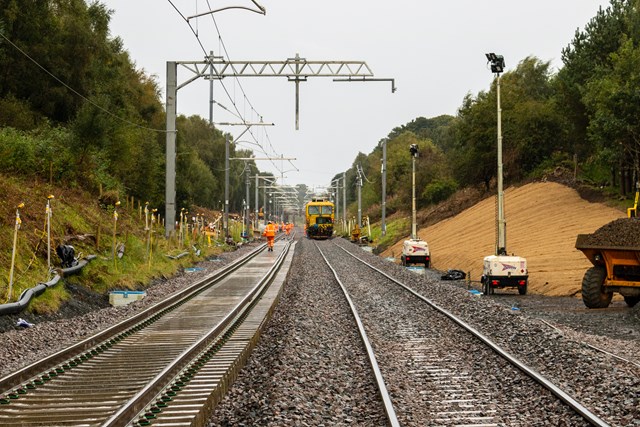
(613, 97)
(588, 52)
(531, 126)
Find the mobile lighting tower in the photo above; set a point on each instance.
(501, 270)
(414, 250)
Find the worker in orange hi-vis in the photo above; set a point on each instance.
(270, 234)
(287, 228)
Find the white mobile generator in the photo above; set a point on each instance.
(415, 251)
(502, 271)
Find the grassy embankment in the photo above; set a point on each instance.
(78, 219)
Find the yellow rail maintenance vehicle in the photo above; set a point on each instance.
(319, 219)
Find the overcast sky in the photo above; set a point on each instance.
(433, 49)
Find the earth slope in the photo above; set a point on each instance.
(543, 220)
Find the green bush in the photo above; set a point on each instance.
(557, 160)
(41, 152)
(17, 151)
(438, 190)
(17, 114)
(597, 169)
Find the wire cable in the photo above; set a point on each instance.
(101, 108)
(204, 50)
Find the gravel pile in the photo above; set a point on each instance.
(623, 232)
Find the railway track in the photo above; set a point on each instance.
(166, 366)
(456, 375)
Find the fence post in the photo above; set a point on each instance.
(48, 212)
(13, 252)
(115, 225)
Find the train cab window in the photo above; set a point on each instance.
(327, 210)
(313, 210)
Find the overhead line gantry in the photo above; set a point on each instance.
(213, 67)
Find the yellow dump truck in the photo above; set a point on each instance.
(614, 251)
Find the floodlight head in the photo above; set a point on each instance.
(413, 149)
(497, 62)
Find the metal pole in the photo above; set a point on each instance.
(170, 190)
(344, 199)
(225, 218)
(264, 200)
(49, 236)
(297, 91)
(337, 200)
(247, 207)
(414, 232)
(383, 224)
(501, 248)
(244, 217)
(255, 208)
(211, 89)
(359, 198)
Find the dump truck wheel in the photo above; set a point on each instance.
(632, 301)
(404, 261)
(593, 293)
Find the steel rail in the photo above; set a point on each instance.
(536, 376)
(259, 285)
(153, 390)
(382, 388)
(104, 338)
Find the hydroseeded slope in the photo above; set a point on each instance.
(543, 220)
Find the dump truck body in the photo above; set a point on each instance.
(616, 267)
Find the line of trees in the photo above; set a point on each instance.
(585, 118)
(112, 136)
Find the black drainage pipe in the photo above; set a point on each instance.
(28, 294)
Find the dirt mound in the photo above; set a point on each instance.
(623, 232)
(543, 220)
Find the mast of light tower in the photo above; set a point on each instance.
(413, 149)
(497, 67)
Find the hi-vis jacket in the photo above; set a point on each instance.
(269, 230)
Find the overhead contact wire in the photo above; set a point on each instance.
(239, 115)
